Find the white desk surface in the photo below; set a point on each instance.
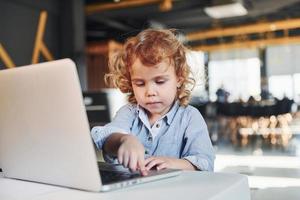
(188, 185)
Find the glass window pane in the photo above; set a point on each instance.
(281, 86)
(297, 87)
(240, 77)
(195, 60)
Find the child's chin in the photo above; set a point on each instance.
(156, 111)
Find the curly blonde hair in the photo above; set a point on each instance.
(151, 46)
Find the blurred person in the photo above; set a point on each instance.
(222, 95)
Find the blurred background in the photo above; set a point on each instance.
(245, 58)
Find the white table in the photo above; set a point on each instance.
(188, 185)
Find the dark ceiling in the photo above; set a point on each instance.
(186, 15)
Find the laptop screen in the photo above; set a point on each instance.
(44, 131)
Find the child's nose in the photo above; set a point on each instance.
(150, 91)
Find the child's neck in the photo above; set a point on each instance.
(153, 118)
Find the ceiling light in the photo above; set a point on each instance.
(230, 9)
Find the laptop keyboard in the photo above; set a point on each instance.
(114, 173)
(116, 176)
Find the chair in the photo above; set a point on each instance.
(97, 108)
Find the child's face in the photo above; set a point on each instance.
(154, 87)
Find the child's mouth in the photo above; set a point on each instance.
(153, 103)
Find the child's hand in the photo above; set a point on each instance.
(158, 163)
(131, 154)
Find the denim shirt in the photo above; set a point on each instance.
(181, 133)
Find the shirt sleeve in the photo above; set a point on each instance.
(197, 147)
(121, 123)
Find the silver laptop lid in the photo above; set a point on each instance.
(44, 132)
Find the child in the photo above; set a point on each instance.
(157, 129)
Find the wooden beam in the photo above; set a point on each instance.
(39, 45)
(5, 57)
(99, 7)
(248, 44)
(245, 29)
(165, 5)
(101, 48)
(113, 47)
(45, 51)
(39, 36)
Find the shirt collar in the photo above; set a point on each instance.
(143, 116)
(169, 116)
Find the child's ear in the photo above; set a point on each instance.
(179, 82)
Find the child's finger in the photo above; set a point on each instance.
(141, 165)
(153, 163)
(161, 166)
(133, 162)
(120, 157)
(125, 159)
(150, 162)
(147, 160)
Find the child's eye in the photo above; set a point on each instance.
(139, 84)
(160, 82)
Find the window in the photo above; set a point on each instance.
(240, 77)
(285, 85)
(297, 87)
(281, 85)
(284, 71)
(195, 60)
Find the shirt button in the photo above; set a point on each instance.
(157, 125)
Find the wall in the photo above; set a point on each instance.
(64, 33)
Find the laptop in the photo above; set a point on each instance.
(45, 135)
